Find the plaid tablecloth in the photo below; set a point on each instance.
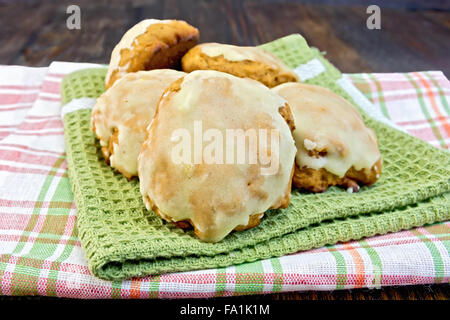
(40, 253)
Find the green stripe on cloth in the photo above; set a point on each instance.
(377, 266)
(153, 289)
(341, 268)
(278, 275)
(122, 239)
(249, 278)
(62, 192)
(437, 259)
(380, 96)
(24, 280)
(221, 281)
(425, 111)
(116, 289)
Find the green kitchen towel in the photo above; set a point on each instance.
(122, 239)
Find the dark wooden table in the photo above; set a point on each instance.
(414, 36)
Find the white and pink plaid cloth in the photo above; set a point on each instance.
(40, 253)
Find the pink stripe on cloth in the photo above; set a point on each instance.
(13, 98)
(42, 172)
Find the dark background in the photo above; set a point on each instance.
(414, 36)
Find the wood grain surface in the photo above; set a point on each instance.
(414, 36)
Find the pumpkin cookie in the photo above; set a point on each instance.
(244, 62)
(334, 147)
(122, 114)
(151, 44)
(218, 154)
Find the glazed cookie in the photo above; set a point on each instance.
(151, 44)
(334, 147)
(197, 166)
(244, 62)
(122, 113)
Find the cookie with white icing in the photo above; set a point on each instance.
(122, 113)
(151, 44)
(334, 146)
(189, 170)
(244, 62)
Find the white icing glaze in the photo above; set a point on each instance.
(215, 197)
(129, 106)
(309, 145)
(325, 121)
(237, 53)
(127, 42)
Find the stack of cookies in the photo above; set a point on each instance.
(217, 134)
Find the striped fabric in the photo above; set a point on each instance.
(40, 253)
(415, 101)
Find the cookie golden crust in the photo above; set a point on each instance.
(215, 197)
(334, 147)
(244, 62)
(121, 115)
(151, 44)
(319, 180)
